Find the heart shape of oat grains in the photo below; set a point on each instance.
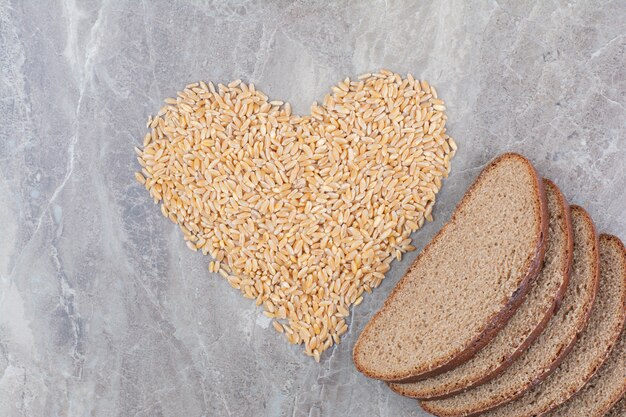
(301, 213)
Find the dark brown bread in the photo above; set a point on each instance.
(467, 281)
(602, 391)
(527, 322)
(589, 353)
(619, 409)
(546, 353)
(609, 383)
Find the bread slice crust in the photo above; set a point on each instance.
(492, 362)
(597, 399)
(593, 377)
(498, 391)
(619, 409)
(608, 383)
(493, 323)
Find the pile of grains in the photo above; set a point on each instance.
(300, 213)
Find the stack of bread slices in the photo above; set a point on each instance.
(516, 308)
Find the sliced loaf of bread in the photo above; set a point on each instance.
(602, 391)
(608, 384)
(466, 283)
(545, 354)
(592, 347)
(527, 322)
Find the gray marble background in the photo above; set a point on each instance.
(103, 310)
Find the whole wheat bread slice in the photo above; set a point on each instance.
(602, 391)
(619, 409)
(527, 322)
(467, 281)
(591, 349)
(549, 349)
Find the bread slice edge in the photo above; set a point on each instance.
(499, 319)
(581, 326)
(556, 303)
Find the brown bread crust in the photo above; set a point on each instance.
(619, 392)
(619, 408)
(498, 320)
(582, 324)
(558, 298)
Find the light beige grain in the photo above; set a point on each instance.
(302, 214)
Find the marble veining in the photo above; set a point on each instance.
(103, 309)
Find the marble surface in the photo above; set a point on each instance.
(103, 310)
